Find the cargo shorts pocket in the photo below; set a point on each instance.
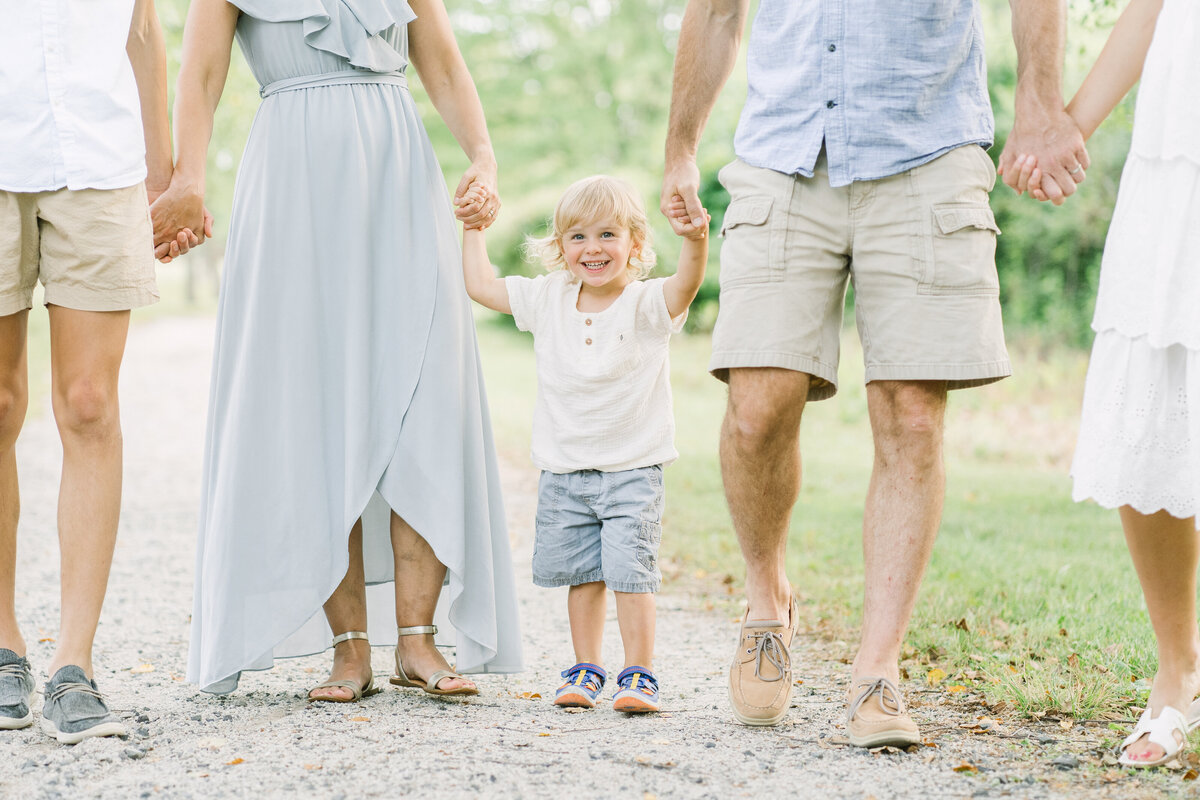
(961, 251)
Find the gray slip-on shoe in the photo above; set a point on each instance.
(74, 708)
(16, 691)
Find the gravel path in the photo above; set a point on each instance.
(266, 741)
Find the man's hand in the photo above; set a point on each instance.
(1053, 141)
(681, 183)
(177, 214)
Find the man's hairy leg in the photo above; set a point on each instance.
(760, 465)
(14, 399)
(85, 355)
(902, 514)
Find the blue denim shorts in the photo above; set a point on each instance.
(599, 526)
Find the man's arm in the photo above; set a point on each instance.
(1042, 127)
(147, 52)
(708, 46)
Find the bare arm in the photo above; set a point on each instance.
(1118, 67)
(147, 52)
(482, 284)
(1042, 128)
(708, 46)
(207, 42)
(680, 289)
(445, 76)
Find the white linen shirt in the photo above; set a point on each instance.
(604, 388)
(70, 115)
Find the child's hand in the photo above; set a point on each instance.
(474, 205)
(683, 223)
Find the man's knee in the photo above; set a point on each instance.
(908, 418)
(87, 408)
(765, 406)
(14, 400)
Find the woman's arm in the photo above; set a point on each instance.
(444, 75)
(1118, 67)
(482, 284)
(207, 42)
(680, 289)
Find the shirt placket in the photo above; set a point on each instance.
(837, 156)
(63, 139)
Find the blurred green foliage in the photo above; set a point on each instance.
(576, 87)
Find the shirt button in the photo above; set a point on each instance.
(587, 341)
(830, 104)
(832, 48)
(587, 322)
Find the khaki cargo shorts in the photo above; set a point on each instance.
(92, 249)
(919, 247)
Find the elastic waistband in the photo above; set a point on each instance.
(333, 79)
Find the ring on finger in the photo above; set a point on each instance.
(1078, 169)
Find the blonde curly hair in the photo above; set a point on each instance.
(590, 199)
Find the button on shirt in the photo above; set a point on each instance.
(885, 85)
(604, 389)
(69, 109)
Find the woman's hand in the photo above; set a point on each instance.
(476, 201)
(180, 221)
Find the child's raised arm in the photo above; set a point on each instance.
(1118, 67)
(482, 284)
(680, 289)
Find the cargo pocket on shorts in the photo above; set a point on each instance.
(649, 538)
(961, 257)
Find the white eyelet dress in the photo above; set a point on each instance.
(346, 379)
(1139, 437)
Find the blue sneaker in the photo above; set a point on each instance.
(16, 691)
(638, 692)
(74, 709)
(584, 682)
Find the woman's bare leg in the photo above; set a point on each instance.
(1165, 552)
(419, 577)
(346, 610)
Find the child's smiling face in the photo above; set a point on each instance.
(598, 254)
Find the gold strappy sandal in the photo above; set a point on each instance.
(401, 678)
(358, 692)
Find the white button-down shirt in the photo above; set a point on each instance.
(69, 109)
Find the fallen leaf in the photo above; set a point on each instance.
(962, 625)
(545, 734)
(236, 761)
(360, 719)
(1062, 631)
(311, 767)
(1066, 724)
(935, 676)
(1191, 775)
(956, 689)
(966, 766)
(142, 669)
(47, 639)
(1073, 661)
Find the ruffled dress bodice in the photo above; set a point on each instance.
(335, 35)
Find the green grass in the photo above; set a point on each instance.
(1029, 598)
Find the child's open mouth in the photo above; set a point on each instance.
(594, 266)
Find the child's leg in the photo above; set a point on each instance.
(635, 616)
(1166, 552)
(585, 610)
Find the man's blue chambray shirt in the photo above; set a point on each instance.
(887, 85)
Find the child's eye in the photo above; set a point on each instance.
(608, 234)
(577, 236)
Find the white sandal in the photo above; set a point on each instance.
(1169, 730)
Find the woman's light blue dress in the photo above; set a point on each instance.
(346, 378)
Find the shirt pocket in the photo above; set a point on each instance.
(961, 249)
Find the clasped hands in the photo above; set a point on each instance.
(179, 218)
(1044, 156)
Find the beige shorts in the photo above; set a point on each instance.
(93, 249)
(919, 247)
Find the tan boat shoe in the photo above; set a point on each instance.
(877, 716)
(760, 677)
